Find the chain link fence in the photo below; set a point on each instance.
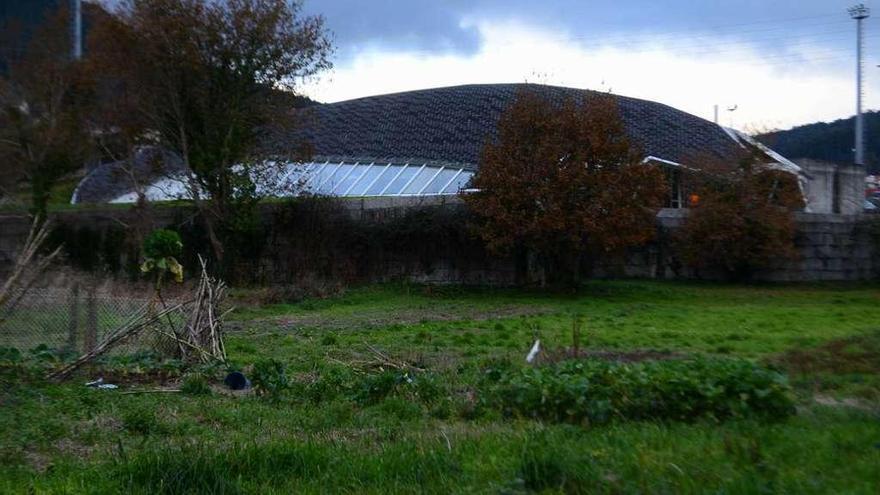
(71, 319)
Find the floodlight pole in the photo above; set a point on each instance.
(859, 13)
(77, 29)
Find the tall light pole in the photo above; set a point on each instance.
(859, 13)
(77, 29)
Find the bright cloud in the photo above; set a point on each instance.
(802, 84)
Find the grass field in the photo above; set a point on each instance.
(336, 429)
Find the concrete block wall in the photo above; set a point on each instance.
(833, 248)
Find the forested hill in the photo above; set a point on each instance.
(831, 141)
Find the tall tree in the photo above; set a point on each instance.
(563, 181)
(202, 77)
(41, 133)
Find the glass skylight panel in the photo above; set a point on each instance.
(421, 180)
(334, 179)
(443, 178)
(351, 179)
(459, 183)
(317, 175)
(366, 179)
(402, 179)
(384, 179)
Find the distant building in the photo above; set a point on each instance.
(834, 188)
(428, 143)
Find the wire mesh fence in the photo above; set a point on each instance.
(71, 319)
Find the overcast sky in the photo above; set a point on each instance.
(781, 62)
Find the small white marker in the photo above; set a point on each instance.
(534, 352)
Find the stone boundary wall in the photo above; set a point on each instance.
(833, 247)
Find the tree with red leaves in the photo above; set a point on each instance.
(744, 220)
(563, 183)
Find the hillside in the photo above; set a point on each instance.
(831, 141)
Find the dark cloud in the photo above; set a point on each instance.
(436, 25)
(414, 25)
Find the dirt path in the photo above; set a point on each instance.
(406, 316)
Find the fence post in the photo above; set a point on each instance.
(91, 336)
(73, 317)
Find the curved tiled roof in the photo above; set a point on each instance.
(443, 126)
(452, 125)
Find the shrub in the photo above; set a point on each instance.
(742, 224)
(374, 388)
(269, 378)
(598, 392)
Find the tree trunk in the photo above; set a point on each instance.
(216, 244)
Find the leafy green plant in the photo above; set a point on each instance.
(10, 355)
(598, 392)
(269, 378)
(162, 248)
(376, 387)
(45, 354)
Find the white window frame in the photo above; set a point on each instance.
(364, 174)
(405, 166)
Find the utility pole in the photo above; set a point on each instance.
(716, 114)
(77, 28)
(859, 13)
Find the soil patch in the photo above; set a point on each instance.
(859, 354)
(125, 378)
(373, 319)
(633, 356)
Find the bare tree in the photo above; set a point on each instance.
(203, 78)
(41, 135)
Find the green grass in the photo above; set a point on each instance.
(747, 321)
(338, 430)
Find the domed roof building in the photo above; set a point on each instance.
(423, 143)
